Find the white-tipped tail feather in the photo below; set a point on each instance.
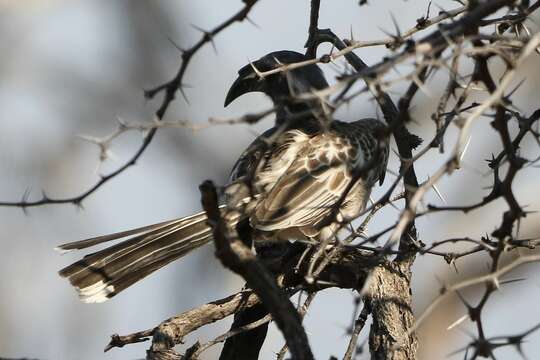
(103, 274)
(96, 293)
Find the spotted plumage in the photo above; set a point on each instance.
(299, 178)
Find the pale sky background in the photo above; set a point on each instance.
(72, 67)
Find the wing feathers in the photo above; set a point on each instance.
(301, 198)
(306, 189)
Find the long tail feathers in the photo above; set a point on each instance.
(103, 274)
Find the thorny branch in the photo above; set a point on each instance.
(169, 89)
(348, 268)
(431, 54)
(477, 32)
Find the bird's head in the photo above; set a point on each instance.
(281, 86)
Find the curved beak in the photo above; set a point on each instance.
(243, 85)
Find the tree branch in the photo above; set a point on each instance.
(170, 88)
(235, 255)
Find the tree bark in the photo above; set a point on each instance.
(390, 298)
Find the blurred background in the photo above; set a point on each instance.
(73, 67)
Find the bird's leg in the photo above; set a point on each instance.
(302, 257)
(321, 251)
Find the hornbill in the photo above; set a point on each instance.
(306, 177)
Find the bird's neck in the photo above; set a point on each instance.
(296, 114)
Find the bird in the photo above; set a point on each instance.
(303, 178)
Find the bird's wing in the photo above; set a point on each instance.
(268, 156)
(244, 166)
(263, 163)
(278, 158)
(307, 191)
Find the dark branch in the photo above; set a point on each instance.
(235, 255)
(311, 43)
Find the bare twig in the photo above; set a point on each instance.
(169, 88)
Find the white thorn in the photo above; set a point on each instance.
(439, 194)
(465, 149)
(458, 322)
(257, 72)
